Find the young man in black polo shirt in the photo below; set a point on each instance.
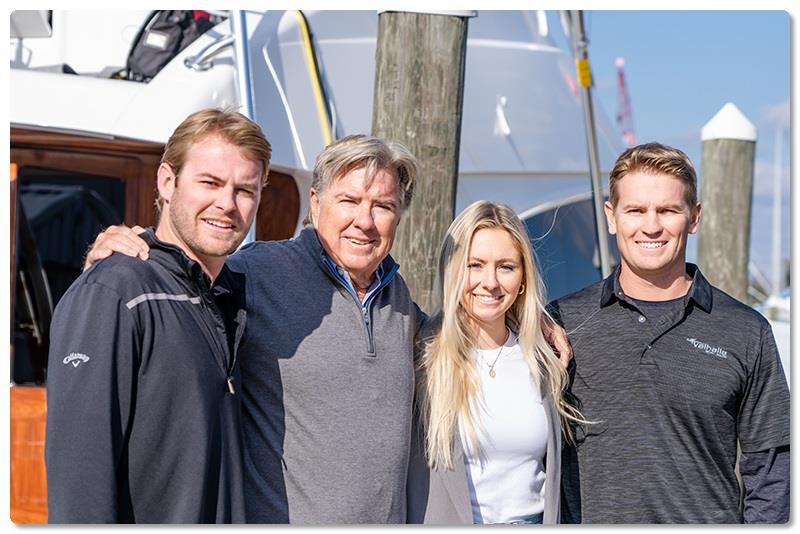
(672, 371)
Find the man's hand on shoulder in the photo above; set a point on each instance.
(117, 238)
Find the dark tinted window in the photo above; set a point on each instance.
(58, 216)
(566, 249)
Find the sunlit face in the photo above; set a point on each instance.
(210, 207)
(494, 277)
(652, 221)
(356, 219)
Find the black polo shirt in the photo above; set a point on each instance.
(670, 398)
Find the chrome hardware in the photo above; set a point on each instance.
(202, 61)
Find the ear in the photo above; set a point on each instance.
(694, 219)
(610, 220)
(165, 181)
(313, 201)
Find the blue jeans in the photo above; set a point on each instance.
(535, 519)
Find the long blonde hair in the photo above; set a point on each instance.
(449, 384)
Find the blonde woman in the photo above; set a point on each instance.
(489, 395)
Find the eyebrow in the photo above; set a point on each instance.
(645, 205)
(387, 200)
(501, 260)
(381, 200)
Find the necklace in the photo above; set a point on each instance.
(492, 373)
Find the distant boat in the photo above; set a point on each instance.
(777, 309)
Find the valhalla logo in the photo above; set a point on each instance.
(708, 349)
(76, 358)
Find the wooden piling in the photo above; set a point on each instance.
(726, 193)
(419, 89)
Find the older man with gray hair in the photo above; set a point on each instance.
(327, 364)
(327, 368)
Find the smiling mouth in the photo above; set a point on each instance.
(219, 225)
(651, 245)
(487, 299)
(359, 242)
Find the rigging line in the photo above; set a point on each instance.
(313, 72)
(289, 116)
(552, 225)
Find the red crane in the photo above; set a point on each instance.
(624, 113)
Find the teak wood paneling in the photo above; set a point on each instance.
(28, 498)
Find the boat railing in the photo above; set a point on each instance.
(202, 61)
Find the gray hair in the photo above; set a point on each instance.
(372, 153)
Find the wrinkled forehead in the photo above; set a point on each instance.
(371, 169)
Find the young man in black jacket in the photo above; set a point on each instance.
(143, 403)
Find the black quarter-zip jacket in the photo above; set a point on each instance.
(143, 421)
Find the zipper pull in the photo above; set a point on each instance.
(231, 389)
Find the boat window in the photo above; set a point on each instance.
(58, 215)
(564, 240)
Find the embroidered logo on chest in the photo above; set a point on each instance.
(75, 358)
(719, 352)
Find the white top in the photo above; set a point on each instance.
(506, 481)
(729, 123)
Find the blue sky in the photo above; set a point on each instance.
(682, 67)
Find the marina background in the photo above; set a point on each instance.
(681, 67)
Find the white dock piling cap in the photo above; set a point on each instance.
(729, 123)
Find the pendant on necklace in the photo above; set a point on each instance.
(492, 373)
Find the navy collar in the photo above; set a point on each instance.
(344, 276)
(700, 291)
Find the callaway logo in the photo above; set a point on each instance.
(76, 358)
(708, 349)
